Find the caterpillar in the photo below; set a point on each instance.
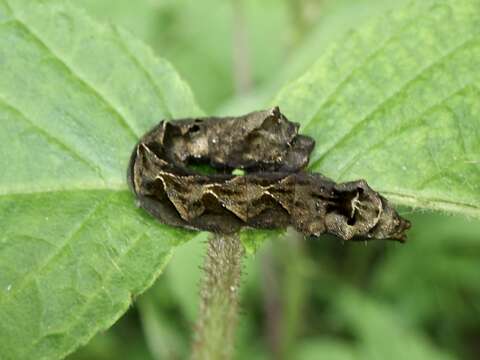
(275, 190)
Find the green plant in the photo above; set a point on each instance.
(396, 102)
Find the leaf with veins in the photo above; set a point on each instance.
(398, 104)
(74, 250)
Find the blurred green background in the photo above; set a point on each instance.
(301, 299)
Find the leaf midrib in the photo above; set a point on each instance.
(120, 117)
(53, 139)
(435, 204)
(80, 187)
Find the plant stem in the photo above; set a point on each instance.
(216, 324)
(241, 50)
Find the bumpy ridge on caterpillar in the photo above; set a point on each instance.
(274, 192)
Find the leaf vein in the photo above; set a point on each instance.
(108, 276)
(149, 77)
(359, 66)
(102, 97)
(80, 187)
(30, 276)
(378, 108)
(407, 125)
(52, 138)
(435, 203)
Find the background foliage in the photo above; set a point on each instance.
(394, 100)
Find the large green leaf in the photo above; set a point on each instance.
(74, 250)
(398, 103)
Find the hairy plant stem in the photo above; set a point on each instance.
(217, 319)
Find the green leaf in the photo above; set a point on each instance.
(398, 103)
(252, 239)
(74, 250)
(144, 18)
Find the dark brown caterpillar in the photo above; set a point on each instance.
(275, 191)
